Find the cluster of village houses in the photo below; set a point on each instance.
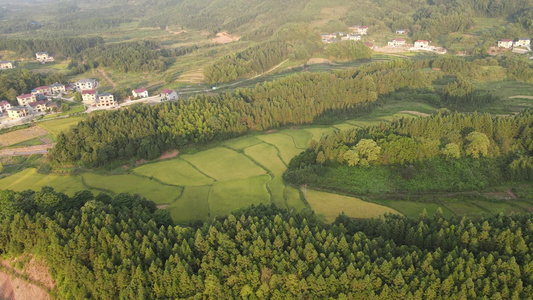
(39, 98)
(357, 32)
(522, 45)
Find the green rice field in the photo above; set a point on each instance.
(247, 170)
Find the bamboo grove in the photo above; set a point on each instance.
(147, 131)
(121, 248)
(443, 152)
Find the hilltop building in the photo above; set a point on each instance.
(397, 42)
(86, 84)
(505, 43)
(6, 65)
(43, 57)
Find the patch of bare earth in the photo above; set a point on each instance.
(37, 149)
(22, 135)
(224, 38)
(416, 113)
(507, 195)
(15, 288)
(163, 206)
(318, 60)
(168, 155)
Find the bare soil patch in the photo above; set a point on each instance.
(168, 155)
(163, 206)
(37, 149)
(507, 195)
(416, 113)
(224, 38)
(14, 288)
(521, 97)
(22, 135)
(318, 60)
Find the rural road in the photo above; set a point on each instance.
(237, 82)
(38, 149)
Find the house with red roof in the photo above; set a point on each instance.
(26, 99)
(38, 106)
(168, 95)
(89, 96)
(139, 93)
(42, 90)
(4, 106)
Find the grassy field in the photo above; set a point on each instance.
(58, 125)
(228, 196)
(153, 190)
(331, 205)
(30, 179)
(174, 172)
(247, 170)
(193, 205)
(224, 164)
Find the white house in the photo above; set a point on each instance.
(26, 99)
(522, 42)
(86, 84)
(351, 37)
(57, 88)
(17, 112)
(362, 30)
(168, 95)
(89, 96)
(505, 43)
(38, 106)
(139, 93)
(401, 31)
(42, 90)
(106, 100)
(6, 65)
(43, 57)
(4, 106)
(422, 44)
(397, 42)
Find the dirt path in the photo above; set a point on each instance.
(37, 149)
(37, 286)
(519, 96)
(240, 81)
(107, 78)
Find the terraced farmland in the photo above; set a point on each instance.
(245, 171)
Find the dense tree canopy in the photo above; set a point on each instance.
(120, 247)
(147, 131)
(444, 152)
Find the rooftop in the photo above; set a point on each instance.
(41, 102)
(139, 91)
(91, 92)
(25, 96)
(167, 91)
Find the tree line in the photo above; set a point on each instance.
(147, 131)
(443, 152)
(120, 247)
(65, 46)
(21, 81)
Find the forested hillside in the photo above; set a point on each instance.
(445, 152)
(120, 247)
(148, 131)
